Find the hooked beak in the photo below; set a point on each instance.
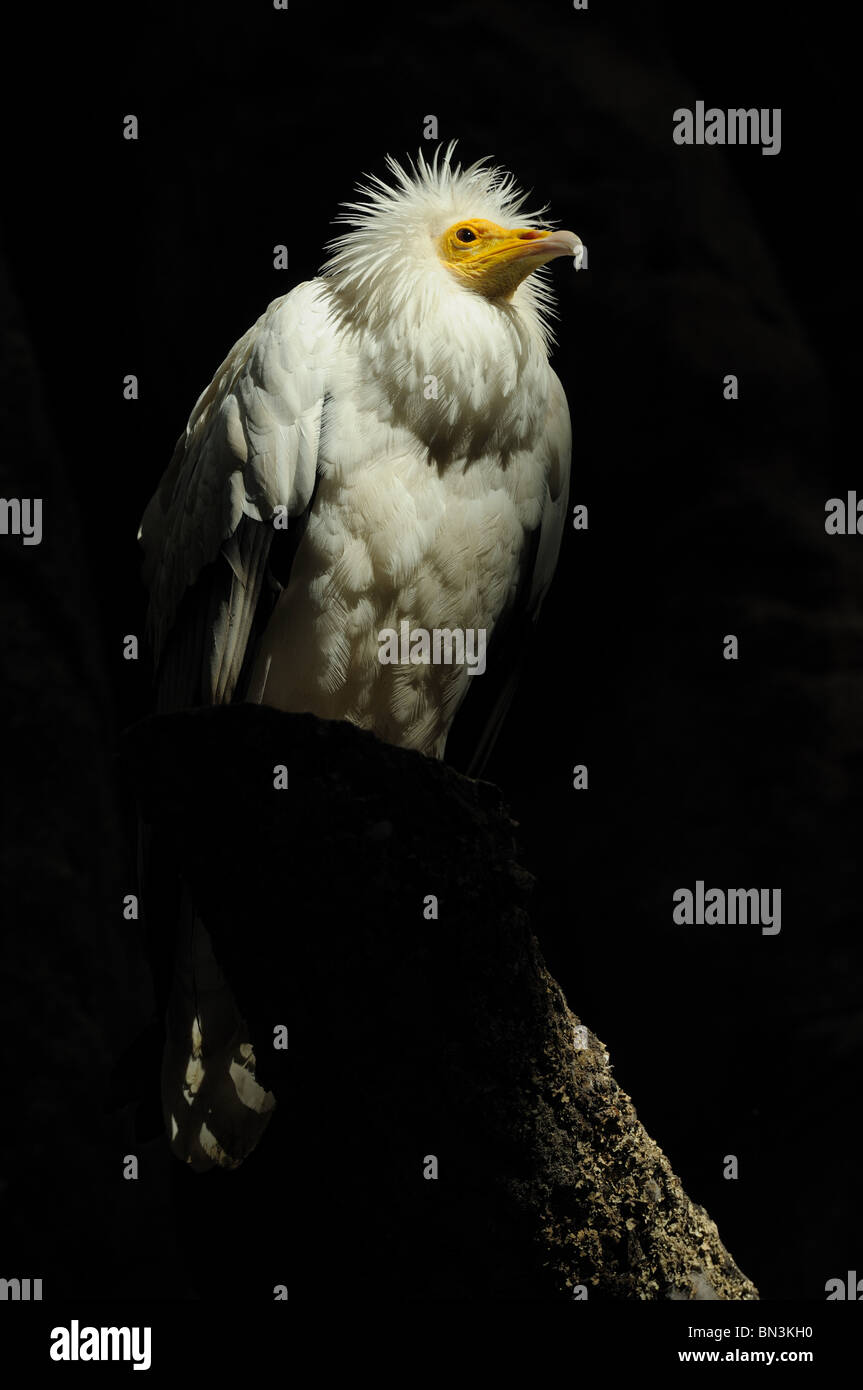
(545, 246)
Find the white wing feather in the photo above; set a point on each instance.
(251, 446)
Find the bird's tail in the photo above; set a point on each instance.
(215, 1111)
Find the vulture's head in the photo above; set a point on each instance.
(444, 259)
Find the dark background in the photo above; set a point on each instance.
(706, 518)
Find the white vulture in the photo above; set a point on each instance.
(386, 450)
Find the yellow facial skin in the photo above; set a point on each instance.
(493, 261)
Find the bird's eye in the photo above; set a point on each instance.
(465, 234)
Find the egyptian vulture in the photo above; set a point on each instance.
(386, 450)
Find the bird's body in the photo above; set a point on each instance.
(394, 428)
(397, 536)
